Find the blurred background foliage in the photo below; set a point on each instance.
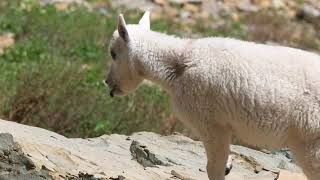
(52, 69)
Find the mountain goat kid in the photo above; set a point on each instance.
(267, 96)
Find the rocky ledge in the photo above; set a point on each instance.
(33, 153)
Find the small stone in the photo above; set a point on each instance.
(262, 3)
(231, 2)
(185, 14)
(235, 17)
(265, 151)
(196, 2)
(248, 7)
(171, 12)
(309, 12)
(291, 13)
(177, 2)
(161, 2)
(192, 8)
(278, 3)
(44, 168)
(181, 175)
(217, 9)
(62, 6)
(2, 156)
(258, 168)
(120, 177)
(285, 152)
(103, 11)
(218, 25)
(28, 163)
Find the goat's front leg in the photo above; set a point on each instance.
(217, 141)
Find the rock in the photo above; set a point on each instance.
(192, 8)
(246, 6)
(161, 2)
(181, 175)
(144, 156)
(185, 14)
(262, 3)
(216, 9)
(235, 17)
(142, 5)
(33, 153)
(258, 168)
(231, 2)
(184, 2)
(309, 12)
(278, 4)
(270, 162)
(286, 152)
(6, 40)
(107, 156)
(14, 164)
(197, 2)
(177, 2)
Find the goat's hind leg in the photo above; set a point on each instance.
(308, 157)
(313, 154)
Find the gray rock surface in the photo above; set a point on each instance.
(309, 12)
(33, 153)
(134, 4)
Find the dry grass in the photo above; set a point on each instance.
(273, 26)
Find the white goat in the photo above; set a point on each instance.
(265, 95)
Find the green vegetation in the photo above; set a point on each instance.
(53, 76)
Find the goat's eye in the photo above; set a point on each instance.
(113, 55)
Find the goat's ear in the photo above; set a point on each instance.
(122, 28)
(145, 20)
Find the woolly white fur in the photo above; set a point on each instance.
(268, 96)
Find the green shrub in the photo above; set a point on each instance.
(52, 77)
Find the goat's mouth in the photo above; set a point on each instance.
(112, 92)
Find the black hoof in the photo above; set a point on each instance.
(228, 169)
